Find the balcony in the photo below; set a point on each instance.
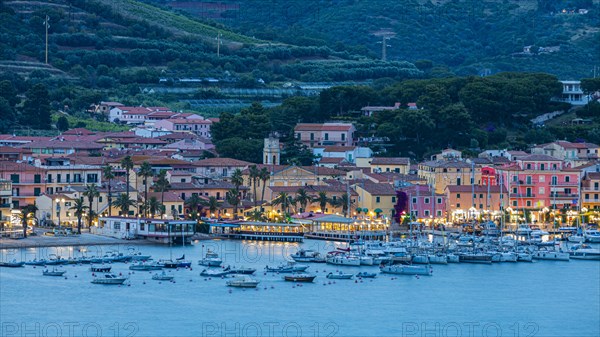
(5, 205)
(557, 195)
(522, 195)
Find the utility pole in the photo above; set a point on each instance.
(47, 25)
(218, 38)
(385, 34)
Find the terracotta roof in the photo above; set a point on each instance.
(593, 175)
(229, 162)
(537, 157)
(446, 164)
(390, 161)
(475, 188)
(178, 135)
(168, 196)
(8, 167)
(184, 186)
(339, 148)
(330, 160)
(378, 189)
(57, 144)
(323, 127)
(134, 110)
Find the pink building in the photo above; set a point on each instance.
(199, 126)
(311, 135)
(540, 182)
(28, 182)
(424, 204)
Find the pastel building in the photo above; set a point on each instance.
(312, 134)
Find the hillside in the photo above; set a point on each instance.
(472, 37)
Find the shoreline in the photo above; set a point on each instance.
(85, 239)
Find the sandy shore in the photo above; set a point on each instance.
(85, 239)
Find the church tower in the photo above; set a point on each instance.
(271, 151)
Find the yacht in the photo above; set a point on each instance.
(162, 277)
(475, 258)
(307, 256)
(299, 278)
(240, 270)
(364, 274)
(109, 279)
(437, 258)
(407, 269)
(342, 259)
(13, 264)
(420, 259)
(242, 282)
(214, 273)
(592, 235)
(211, 259)
(490, 229)
(584, 252)
(340, 276)
(145, 266)
(523, 229)
(289, 267)
(544, 254)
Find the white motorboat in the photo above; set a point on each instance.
(214, 273)
(550, 255)
(243, 282)
(340, 276)
(584, 252)
(342, 259)
(304, 255)
(437, 258)
(211, 259)
(162, 277)
(420, 259)
(577, 238)
(366, 260)
(364, 274)
(53, 272)
(524, 257)
(402, 269)
(523, 230)
(508, 257)
(592, 235)
(490, 228)
(145, 266)
(240, 270)
(109, 279)
(289, 267)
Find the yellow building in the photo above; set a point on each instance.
(391, 164)
(442, 173)
(375, 199)
(5, 200)
(172, 201)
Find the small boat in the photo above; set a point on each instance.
(523, 230)
(576, 238)
(407, 269)
(339, 276)
(299, 278)
(102, 269)
(437, 258)
(524, 257)
(162, 277)
(307, 256)
(138, 257)
(242, 282)
(508, 257)
(13, 264)
(213, 273)
(240, 270)
(475, 258)
(290, 267)
(109, 279)
(36, 263)
(170, 264)
(145, 266)
(211, 259)
(342, 259)
(592, 235)
(53, 272)
(364, 274)
(584, 252)
(551, 255)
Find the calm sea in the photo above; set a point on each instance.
(543, 298)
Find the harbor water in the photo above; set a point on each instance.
(543, 298)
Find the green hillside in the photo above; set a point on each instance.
(471, 36)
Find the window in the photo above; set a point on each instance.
(458, 205)
(542, 167)
(514, 203)
(528, 180)
(439, 200)
(77, 178)
(458, 181)
(481, 196)
(554, 180)
(458, 196)
(224, 172)
(542, 179)
(92, 178)
(529, 166)
(36, 191)
(298, 135)
(426, 200)
(480, 206)
(414, 200)
(14, 178)
(343, 136)
(58, 178)
(37, 179)
(439, 213)
(514, 190)
(528, 203)
(117, 225)
(326, 136)
(426, 212)
(542, 191)
(312, 136)
(567, 179)
(515, 179)
(393, 199)
(68, 178)
(377, 199)
(529, 191)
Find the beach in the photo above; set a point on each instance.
(85, 239)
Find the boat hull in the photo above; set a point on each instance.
(296, 278)
(407, 270)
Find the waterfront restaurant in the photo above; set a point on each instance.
(335, 227)
(262, 231)
(156, 230)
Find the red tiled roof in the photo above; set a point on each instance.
(390, 161)
(339, 148)
(230, 162)
(378, 189)
(322, 127)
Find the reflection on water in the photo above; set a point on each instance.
(507, 299)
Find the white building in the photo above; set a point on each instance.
(156, 230)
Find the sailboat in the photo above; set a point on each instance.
(180, 262)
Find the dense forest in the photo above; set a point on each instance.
(470, 36)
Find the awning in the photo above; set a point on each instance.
(223, 225)
(378, 210)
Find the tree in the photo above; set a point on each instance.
(303, 199)
(127, 164)
(154, 206)
(343, 202)
(145, 172)
(237, 178)
(162, 185)
(284, 200)
(233, 198)
(193, 203)
(109, 176)
(322, 199)
(123, 203)
(91, 192)
(264, 176)
(254, 176)
(79, 208)
(27, 213)
(256, 215)
(36, 109)
(7, 115)
(62, 124)
(212, 203)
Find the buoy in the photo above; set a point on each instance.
(144, 282)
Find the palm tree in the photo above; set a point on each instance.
(123, 203)
(264, 176)
(256, 215)
(212, 203)
(127, 164)
(283, 199)
(237, 179)
(162, 185)
(303, 198)
(25, 215)
(145, 172)
(254, 173)
(193, 203)
(79, 208)
(154, 206)
(322, 200)
(109, 175)
(233, 198)
(344, 201)
(91, 192)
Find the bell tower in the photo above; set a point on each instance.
(271, 151)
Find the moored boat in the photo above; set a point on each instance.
(162, 277)
(53, 272)
(240, 270)
(305, 255)
(584, 252)
(213, 273)
(300, 278)
(407, 269)
(103, 269)
(551, 255)
(342, 259)
(13, 264)
(437, 258)
(290, 267)
(109, 279)
(211, 259)
(145, 266)
(243, 282)
(365, 274)
(340, 276)
(475, 258)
